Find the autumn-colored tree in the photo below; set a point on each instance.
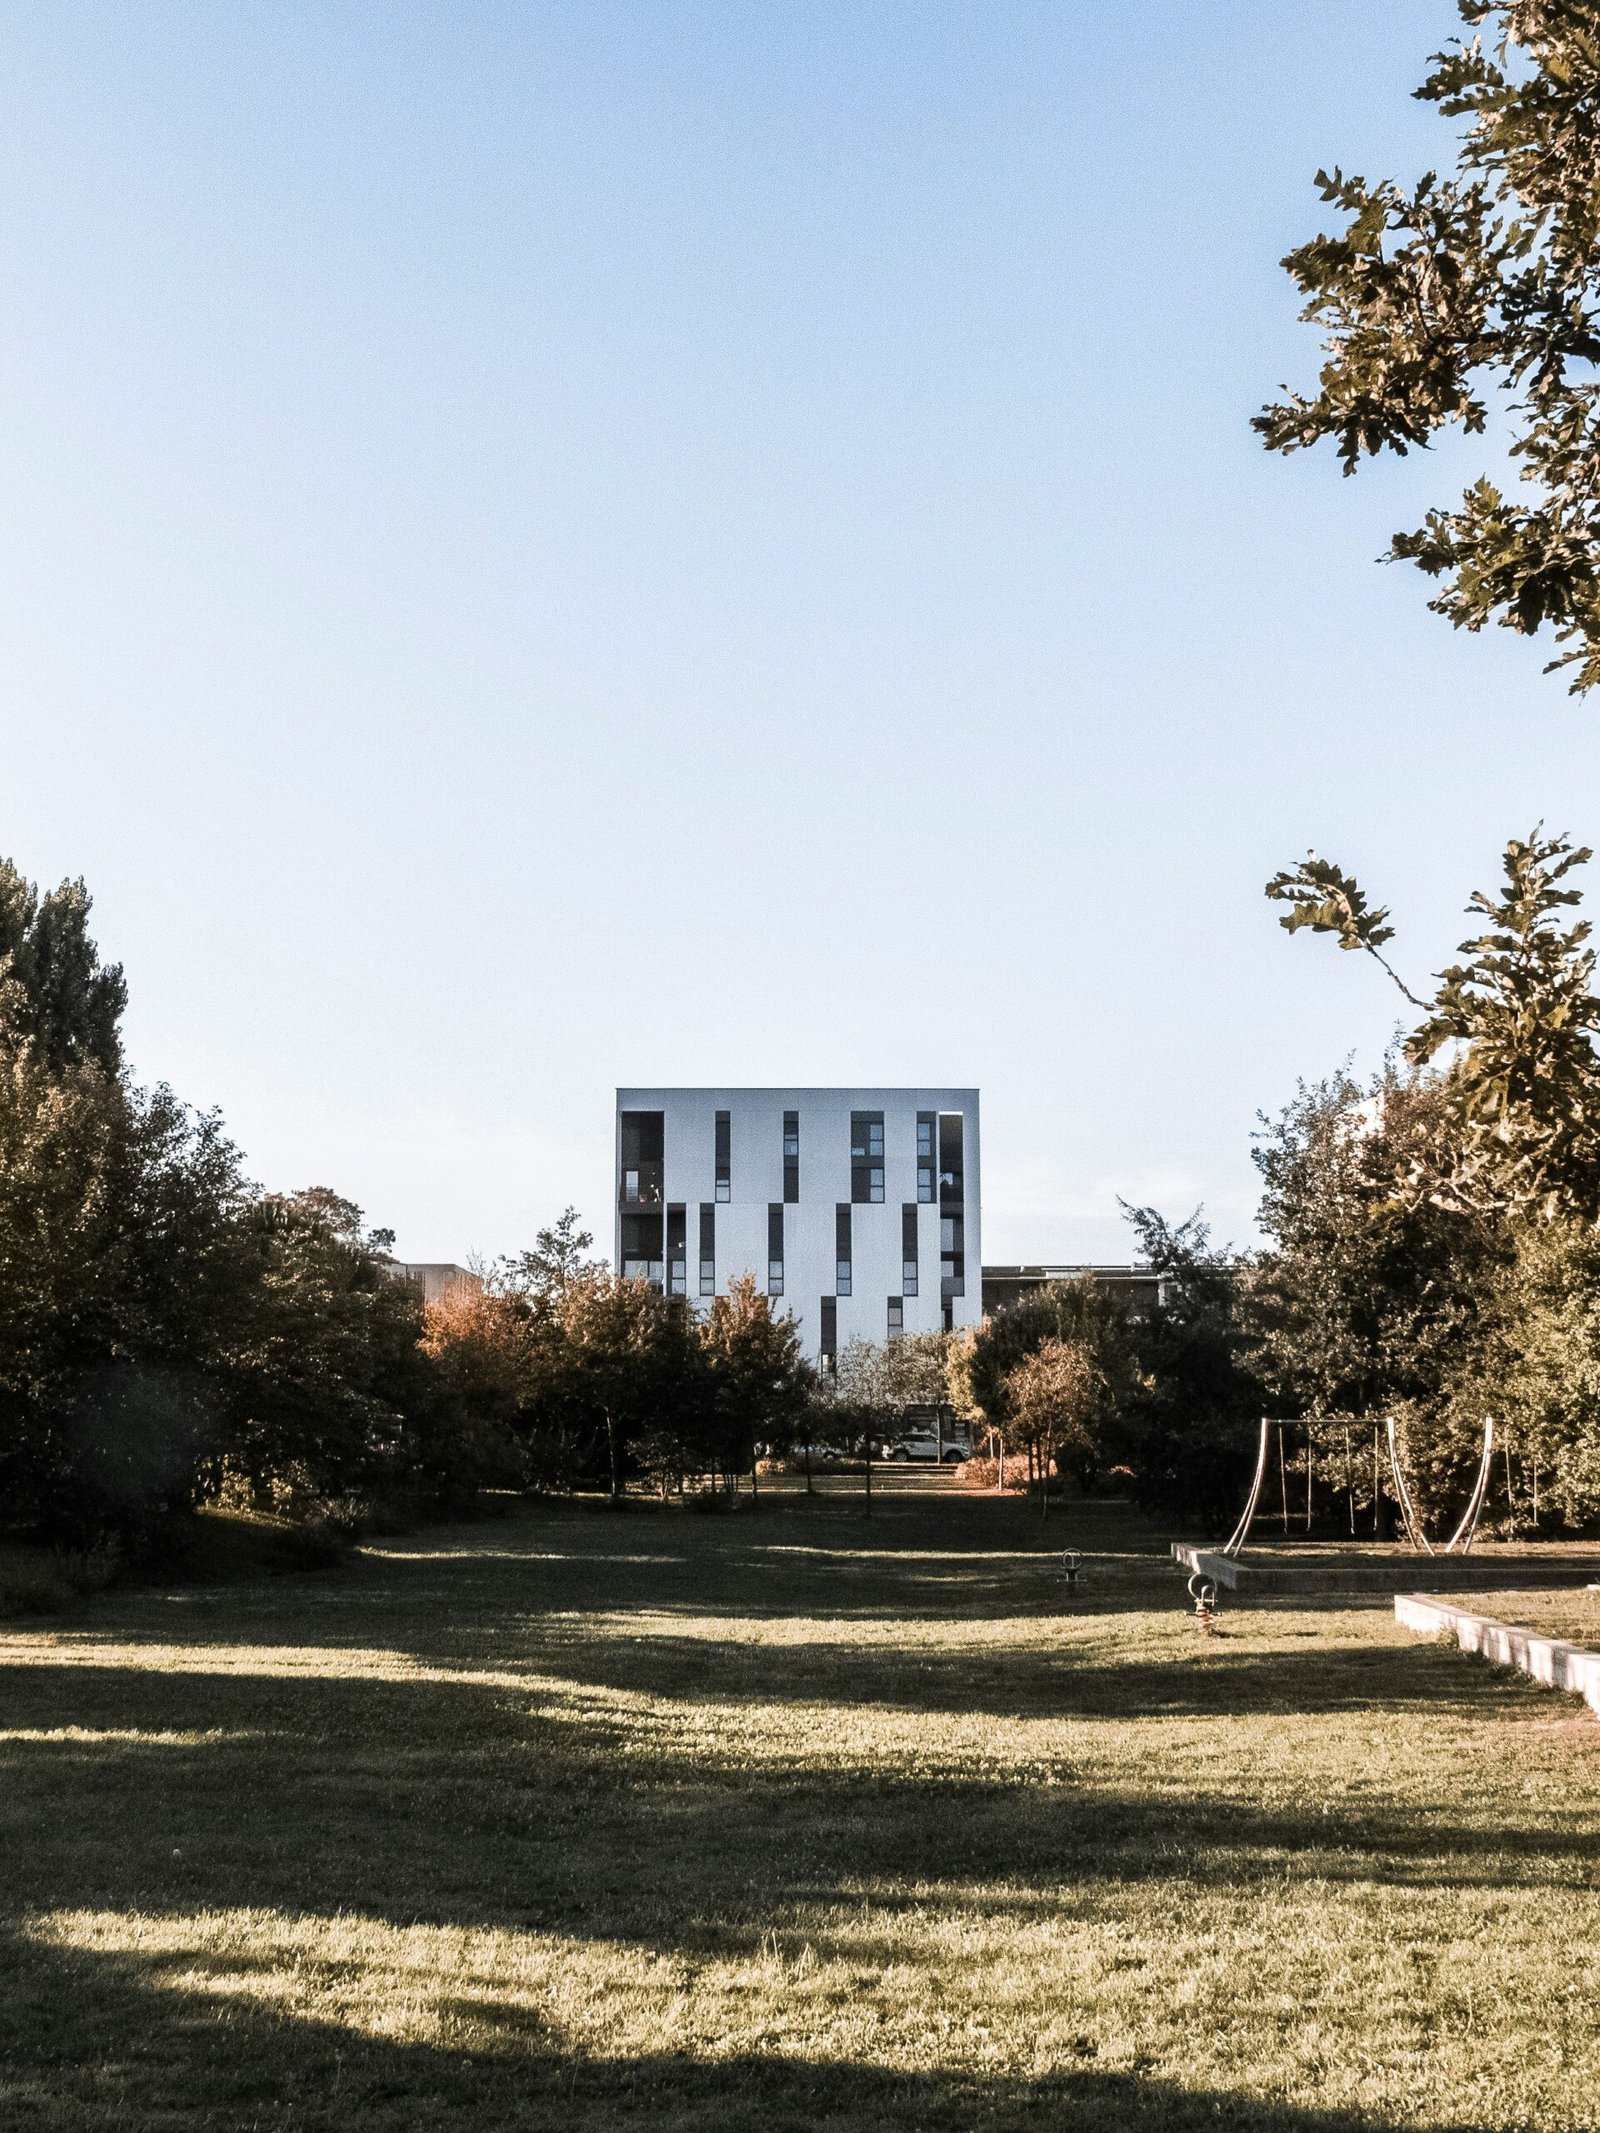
(625, 1359)
(488, 1349)
(758, 1382)
(1077, 1311)
(1059, 1402)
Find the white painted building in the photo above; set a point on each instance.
(858, 1207)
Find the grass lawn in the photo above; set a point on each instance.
(782, 1821)
(1572, 1612)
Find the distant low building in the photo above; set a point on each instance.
(436, 1279)
(1137, 1288)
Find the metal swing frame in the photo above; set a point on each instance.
(1459, 1541)
(1462, 1537)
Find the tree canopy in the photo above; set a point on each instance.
(1519, 1128)
(53, 990)
(1445, 301)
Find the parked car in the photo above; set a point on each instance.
(815, 1452)
(923, 1444)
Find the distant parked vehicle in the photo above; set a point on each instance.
(924, 1445)
(824, 1452)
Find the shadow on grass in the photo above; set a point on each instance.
(101, 2042)
(593, 1802)
(460, 1804)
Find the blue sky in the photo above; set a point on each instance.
(548, 546)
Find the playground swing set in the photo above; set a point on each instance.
(1203, 1590)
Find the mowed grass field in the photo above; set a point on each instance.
(1572, 1612)
(578, 1820)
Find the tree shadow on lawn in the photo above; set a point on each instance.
(99, 2043)
(465, 1805)
(1083, 1677)
(953, 1556)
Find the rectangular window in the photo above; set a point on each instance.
(908, 1248)
(952, 1256)
(830, 1336)
(927, 1122)
(677, 1251)
(952, 1204)
(897, 1317)
(866, 1158)
(643, 1151)
(642, 1257)
(724, 1184)
(775, 1248)
(841, 1248)
(791, 1156)
(708, 1248)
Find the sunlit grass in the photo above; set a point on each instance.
(1572, 1613)
(786, 1820)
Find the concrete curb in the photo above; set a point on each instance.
(1548, 1659)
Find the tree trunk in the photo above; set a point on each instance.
(616, 1459)
(869, 1477)
(755, 1488)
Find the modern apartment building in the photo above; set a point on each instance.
(858, 1207)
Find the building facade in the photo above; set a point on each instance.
(858, 1208)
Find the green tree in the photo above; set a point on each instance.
(323, 1368)
(1438, 301)
(1539, 1366)
(1367, 1290)
(54, 992)
(1518, 1126)
(560, 1252)
(1194, 1404)
(120, 1262)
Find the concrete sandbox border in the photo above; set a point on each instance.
(1322, 1573)
(1548, 1659)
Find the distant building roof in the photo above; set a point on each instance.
(1132, 1285)
(436, 1278)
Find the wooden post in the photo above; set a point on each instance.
(1283, 1480)
(869, 1475)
